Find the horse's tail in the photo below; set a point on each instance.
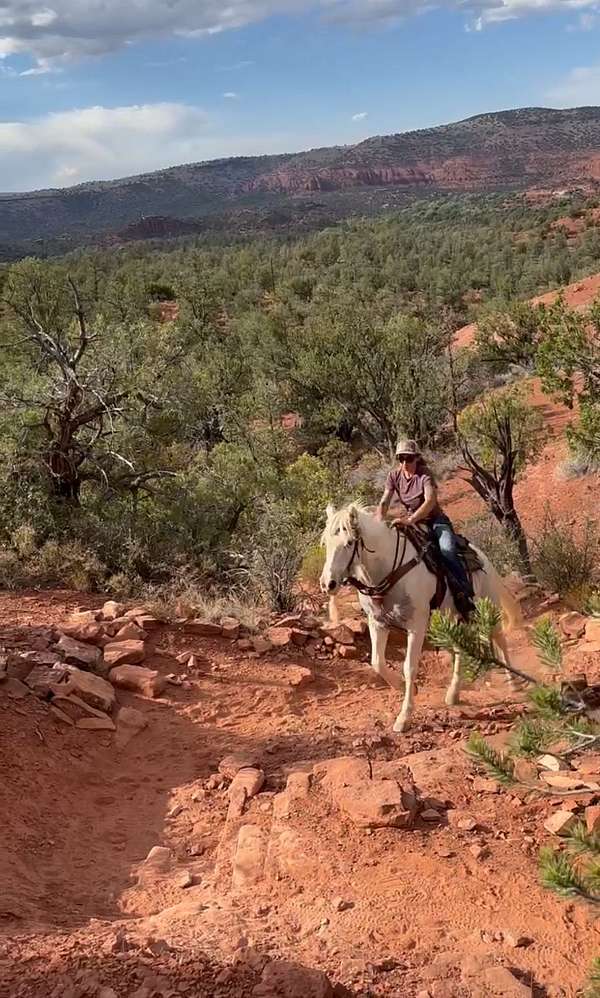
(502, 596)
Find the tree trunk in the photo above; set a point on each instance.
(514, 528)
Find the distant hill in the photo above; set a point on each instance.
(504, 150)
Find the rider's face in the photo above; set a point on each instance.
(407, 461)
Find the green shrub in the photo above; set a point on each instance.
(564, 559)
(486, 534)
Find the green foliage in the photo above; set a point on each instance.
(559, 874)
(546, 700)
(565, 559)
(580, 841)
(532, 736)
(497, 764)
(510, 336)
(471, 640)
(546, 640)
(500, 547)
(593, 986)
(568, 361)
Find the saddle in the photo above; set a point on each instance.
(423, 539)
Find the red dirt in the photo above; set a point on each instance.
(424, 915)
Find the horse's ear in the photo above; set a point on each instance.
(330, 510)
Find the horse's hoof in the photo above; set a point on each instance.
(400, 725)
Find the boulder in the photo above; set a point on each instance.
(130, 632)
(247, 781)
(95, 723)
(43, 680)
(111, 610)
(501, 983)
(147, 621)
(299, 637)
(94, 690)
(378, 804)
(159, 859)
(78, 653)
(283, 979)
(80, 617)
(572, 624)
(261, 645)
(206, 628)
(565, 781)
(592, 629)
(145, 682)
(339, 633)
(230, 628)
(592, 819)
(280, 637)
(124, 653)
(14, 688)
(358, 626)
(298, 676)
(589, 765)
(91, 633)
(40, 657)
(347, 651)
(249, 858)
(231, 764)
(553, 763)
(561, 823)
(129, 723)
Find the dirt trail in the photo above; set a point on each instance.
(422, 912)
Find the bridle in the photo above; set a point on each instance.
(398, 571)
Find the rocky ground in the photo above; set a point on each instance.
(225, 814)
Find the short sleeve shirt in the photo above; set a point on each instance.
(411, 491)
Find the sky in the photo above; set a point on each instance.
(97, 89)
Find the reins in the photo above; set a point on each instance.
(398, 571)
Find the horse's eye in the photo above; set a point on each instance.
(337, 531)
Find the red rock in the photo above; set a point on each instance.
(231, 764)
(159, 858)
(589, 765)
(249, 858)
(282, 979)
(81, 617)
(78, 653)
(358, 626)
(230, 628)
(206, 628)
(280, 637)
(147, 621)
(44, 680)
(261, 645)
(560, 823)
(572, 624)
(592, 819)
(93, 690)
(130, 632)
(129, 723)
(378, 804)
(244, 644)
(592, 629)
(479, 851)
(299, 637)
(88, 633)
(111, 610)
(565, 781)
(124, 653)
(340, 633)
(347, 651)
(298, 677)
(145, 682)
(95, 723)
(552, 763)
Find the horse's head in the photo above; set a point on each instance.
(340, 539)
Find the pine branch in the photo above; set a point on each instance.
(558, 874)
(498, 765)
(546, 640)
(580, 841)
(547, 700)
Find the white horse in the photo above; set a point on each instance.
(360, 546)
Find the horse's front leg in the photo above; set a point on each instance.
(414, 646)
(453, 694)
(379, 636)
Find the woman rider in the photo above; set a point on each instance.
(412, 483)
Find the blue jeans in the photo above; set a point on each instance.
(444, 534)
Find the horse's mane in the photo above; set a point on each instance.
(344, 519)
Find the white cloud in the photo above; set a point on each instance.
(360, 116)
(230, 95)
(69, 29)
(98, 143)
(578, 89)
(101, 143)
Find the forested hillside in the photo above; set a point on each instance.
(136, 450)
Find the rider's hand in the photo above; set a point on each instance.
(379, 514)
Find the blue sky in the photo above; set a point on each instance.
(95, 93)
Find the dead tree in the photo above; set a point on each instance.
(496, 486)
